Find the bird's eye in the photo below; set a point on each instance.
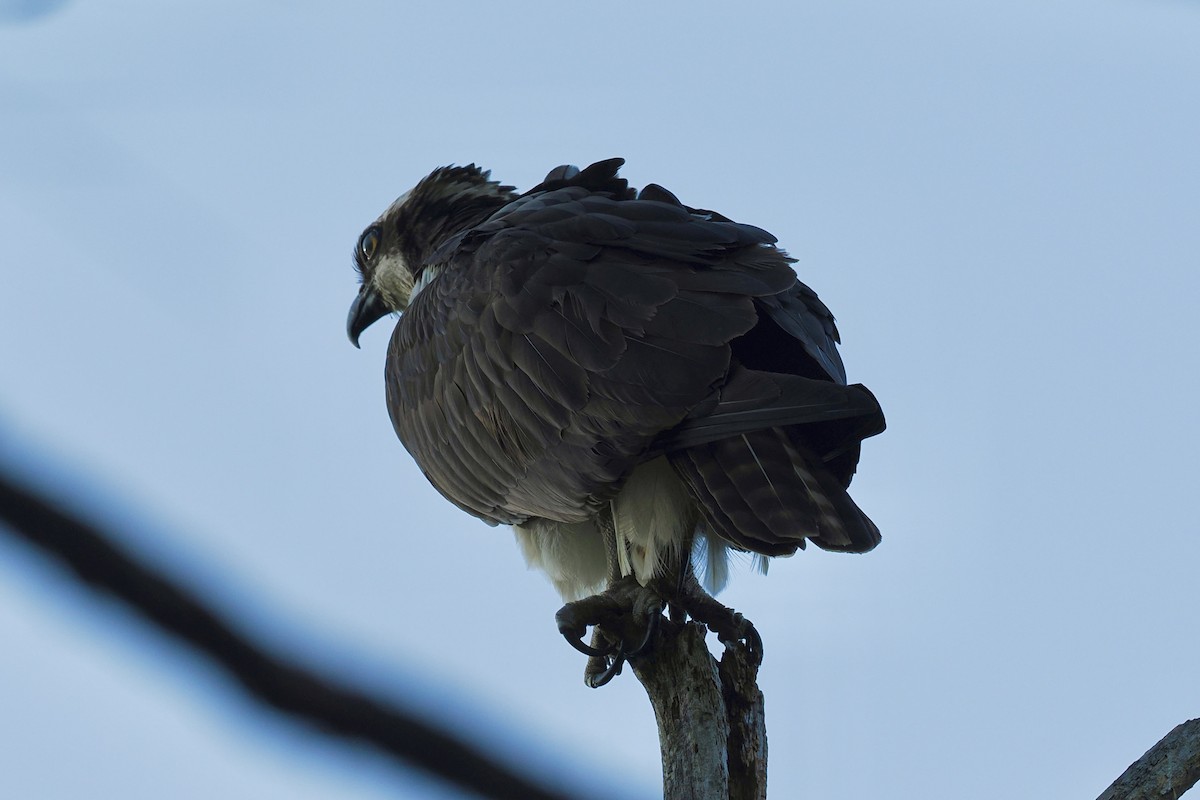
(368, 243)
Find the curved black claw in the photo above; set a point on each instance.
(729, 626)
(588, 650)
(625, 612)
(755, 644)
(598, 672)
(741, 629)
(572, 630)
(651, 627)
(602, 669)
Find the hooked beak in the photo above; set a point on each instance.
(366, 309)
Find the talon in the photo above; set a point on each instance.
(750, 637)
(573, 631)
(651, 627)
(588, 650)
(595, 679)
(743, 630)
(574, 637)
(754, 643)
(624, 612)
(730, 627)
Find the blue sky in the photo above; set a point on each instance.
(998, 200)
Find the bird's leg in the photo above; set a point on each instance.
(690, 598)
(623, 617)
(601, 669)
(600, 662)
(608, 532)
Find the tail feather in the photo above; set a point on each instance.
(764, 491)
(710, 559)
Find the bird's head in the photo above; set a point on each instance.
(392, 254)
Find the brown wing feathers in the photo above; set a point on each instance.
(579, 329)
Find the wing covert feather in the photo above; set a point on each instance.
(560, 338)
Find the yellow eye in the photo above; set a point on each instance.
(368, 243)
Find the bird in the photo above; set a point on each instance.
(638, 387)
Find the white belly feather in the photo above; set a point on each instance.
(654, 518)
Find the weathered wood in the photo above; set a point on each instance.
(746, 712)
(711, 725)
(1165, 771)
(681, 678)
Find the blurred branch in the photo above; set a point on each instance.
(1167, 770)
(270, 680)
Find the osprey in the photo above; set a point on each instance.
(625, 380)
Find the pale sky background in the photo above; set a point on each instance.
(999, 200)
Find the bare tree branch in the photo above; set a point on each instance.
(1166, 771)
(680, 676)
(746, 712)
(711, 726)
(267, 678)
